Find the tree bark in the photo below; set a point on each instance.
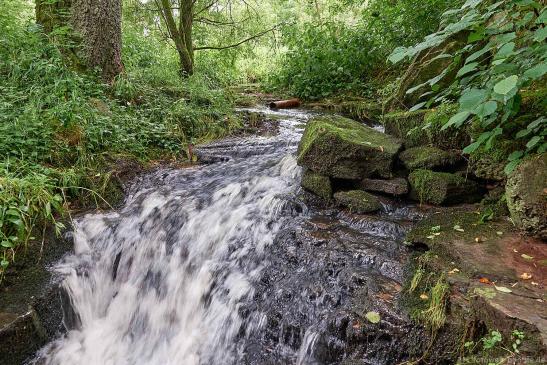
(181, 34)
(97, 24)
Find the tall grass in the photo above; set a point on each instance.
(59, 126)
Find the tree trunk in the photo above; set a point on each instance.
(182, 34)
(99, 23)
(96, 24)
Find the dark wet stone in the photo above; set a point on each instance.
(395, 187)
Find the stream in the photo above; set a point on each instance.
(231, 263)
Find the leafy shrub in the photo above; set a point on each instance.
(505, 55)
(60, 127)
(344, 55)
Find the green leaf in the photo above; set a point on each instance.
(540, 34)
(471, 148)
(417, 106)
(467, 69)
(542, 18)
(486, 109)
(398, 54)
(503, 289)
(506, 85)
(7, 244)
(479, 53)
(504, 38)
(472, 98)
(373, 317)
(476, 36)
(457, 120)
(533, 141)
(515, 155)
(536, 72)
(505, 51)
(511, 166)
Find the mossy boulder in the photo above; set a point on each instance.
(442, 188)
(358, 201)
(424, 128)
(400, 124)
(343, 148)
(489, 164)
(360, 109)
(318, 184)
(526, 193)
(430, 158)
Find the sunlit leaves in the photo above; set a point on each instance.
(506, 85)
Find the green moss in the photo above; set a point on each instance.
(399, 124)
(343, 148)
(318, 184)
(425, 294)
(489, 164)
(424, 128)
(358, 109)
(441, 187)
(534, 101)
(426, 157)
(526, 198)
(358, 201)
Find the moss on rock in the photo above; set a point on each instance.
(399, 124)
(526, 193)
(318, 184)
(424, 127)
(358, 201)
(489, 164)
(442, 188)
(343, 148)
(426, 157)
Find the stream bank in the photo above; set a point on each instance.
(331, 286)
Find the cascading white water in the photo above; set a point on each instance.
(162, 280)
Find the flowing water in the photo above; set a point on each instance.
(226, 263)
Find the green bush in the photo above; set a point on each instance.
(503, 59)
(345, 55)
(61, 128)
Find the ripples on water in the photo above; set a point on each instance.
(168, 278)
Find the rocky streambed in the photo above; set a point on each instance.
(232, 262)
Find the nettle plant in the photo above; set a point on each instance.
(504, 54)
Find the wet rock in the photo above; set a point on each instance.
(442, 188)
(343, 148)
(430, 158)
(358, 201)
(526, 191)
(20, 336)
(474, 257)
(318, 184)
(396, 187)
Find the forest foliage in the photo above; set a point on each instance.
(62, 128)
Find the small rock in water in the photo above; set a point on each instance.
(358, 201)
